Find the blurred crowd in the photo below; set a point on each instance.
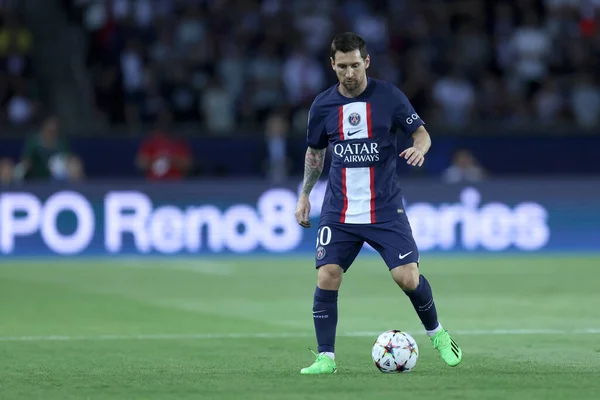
(18, 100)
(232, 64)
(243, 66)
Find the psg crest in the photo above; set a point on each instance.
(354, 119)
(320, 253)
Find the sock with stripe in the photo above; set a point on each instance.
(422, 300)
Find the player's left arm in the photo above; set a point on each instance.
(412, 125)
(415, 155)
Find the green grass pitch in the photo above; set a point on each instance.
(240, 328)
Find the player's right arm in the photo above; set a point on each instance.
(314, 160)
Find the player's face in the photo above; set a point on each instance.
(350, 68)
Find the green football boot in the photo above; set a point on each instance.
(449, 350)
(322, 365)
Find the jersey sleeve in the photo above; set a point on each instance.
(316, 133)
(405, 116)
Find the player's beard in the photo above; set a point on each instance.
(350, 84)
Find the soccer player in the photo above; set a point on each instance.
(358, 118)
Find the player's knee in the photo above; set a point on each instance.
(330, 277)
(407, 276)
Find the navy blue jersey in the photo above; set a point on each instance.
(363, 183)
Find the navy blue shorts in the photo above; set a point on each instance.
(339, 243)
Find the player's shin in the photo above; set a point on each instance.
(422, 299)
(325, 316)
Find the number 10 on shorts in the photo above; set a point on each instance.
(323, 236)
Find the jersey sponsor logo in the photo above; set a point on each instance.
(357, 152)
(354, 119)
(354, 132)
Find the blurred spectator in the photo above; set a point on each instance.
(264, 76)
(15, 42)
(20, 109)
(455, 97)
(230, 70)
(277, 127)
(18, 104)
(303, 77)
(373, 29)
(154, 101)
(108, 95)
(531, 46)
(162, 156)
(6, 171)
(217, 107)
(132, 67)
(315, 23)
(191, 28)
(47, 156)
(16, 59)
(464, 168)
(473, 46)
(182, 96)
(4, 96)
(492, 99)
(585, 102)
(549, 103)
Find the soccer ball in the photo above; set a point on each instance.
(394, 352)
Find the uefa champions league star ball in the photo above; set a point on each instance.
(394, 352)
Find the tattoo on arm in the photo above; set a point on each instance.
(313, 167)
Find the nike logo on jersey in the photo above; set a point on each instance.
(320, 311)
(353, 133)
(403, 256)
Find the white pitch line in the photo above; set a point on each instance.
(200, 266)
(282, 335)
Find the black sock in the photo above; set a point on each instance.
(325, 316)
(422, 300)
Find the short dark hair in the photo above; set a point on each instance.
(347, 42)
